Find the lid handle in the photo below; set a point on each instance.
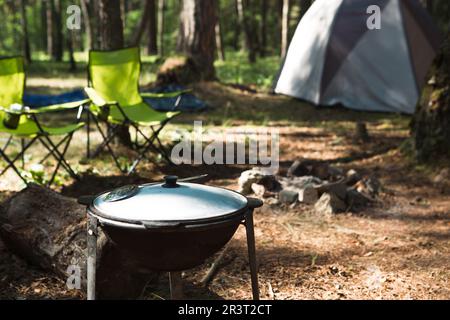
(170, 182)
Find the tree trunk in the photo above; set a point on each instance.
(72, 62)
(49, 15)
(161, 23)
(263, 46)
(285, 28)
(430, 127)
(152, 47)
(88, 25)
(26, 41)
(44, 24)
(58, 44)
(249, 40)
(49, 231)
(142, 24)
(111, 30)
(219, 41)
(237, 27)
(196, 37)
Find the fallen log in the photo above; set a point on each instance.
(49, 230)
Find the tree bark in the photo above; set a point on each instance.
(430, 126)
(263, 46)
(72, 62)
(161, 23)
(88, 25)
(111, 30)
(49, 230)
(58, 44)
(249, 39)
(219, 41)
(237, 27)
(137, 36)
(285, 28)
(152, 47)
(49, 7)
(196, 37)
(44, 24)
(26, 40)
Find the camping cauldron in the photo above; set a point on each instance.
(170, 226)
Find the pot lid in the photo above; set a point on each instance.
(170, 201)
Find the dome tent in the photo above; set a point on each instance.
(334, 58)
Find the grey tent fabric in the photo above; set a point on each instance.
(334, 58)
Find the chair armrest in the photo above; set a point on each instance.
(164, 94)
(96, 98)
(60, 107)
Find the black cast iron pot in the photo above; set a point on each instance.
(170, 226)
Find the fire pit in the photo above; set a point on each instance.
(170, 226)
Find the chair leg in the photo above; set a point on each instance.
(11, 162)
(22, 144)
(7, 143)
(57, 146)
(55, 153)
(60, 161)
(88, 137)
(105, 143)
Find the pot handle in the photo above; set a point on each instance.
(254, 203)
(86, 200)
(158, 225)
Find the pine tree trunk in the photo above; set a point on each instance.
(237, 27)
(152, 47)
(285, 28)
(249, 39)
(197, 35)
(111, 30)
(26, 41)
(263, 47)
(161, 23)
(58, 44)
(219, 41)
(430, 127)
(49, 24)
(137, 36)
(88, 25)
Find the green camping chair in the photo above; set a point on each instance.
(116, 100)
(25, 124)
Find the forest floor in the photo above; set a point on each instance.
(398, 248)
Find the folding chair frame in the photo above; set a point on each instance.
(53, 150)
(152, 142)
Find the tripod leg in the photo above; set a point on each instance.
(176, 285)
(92, 257)
(252, 253)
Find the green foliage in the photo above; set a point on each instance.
(236, 69)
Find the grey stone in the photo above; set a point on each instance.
(297, 183)
(288, 196)
(299, 168)
(308, 195)
(329, 204)
(251, 176)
